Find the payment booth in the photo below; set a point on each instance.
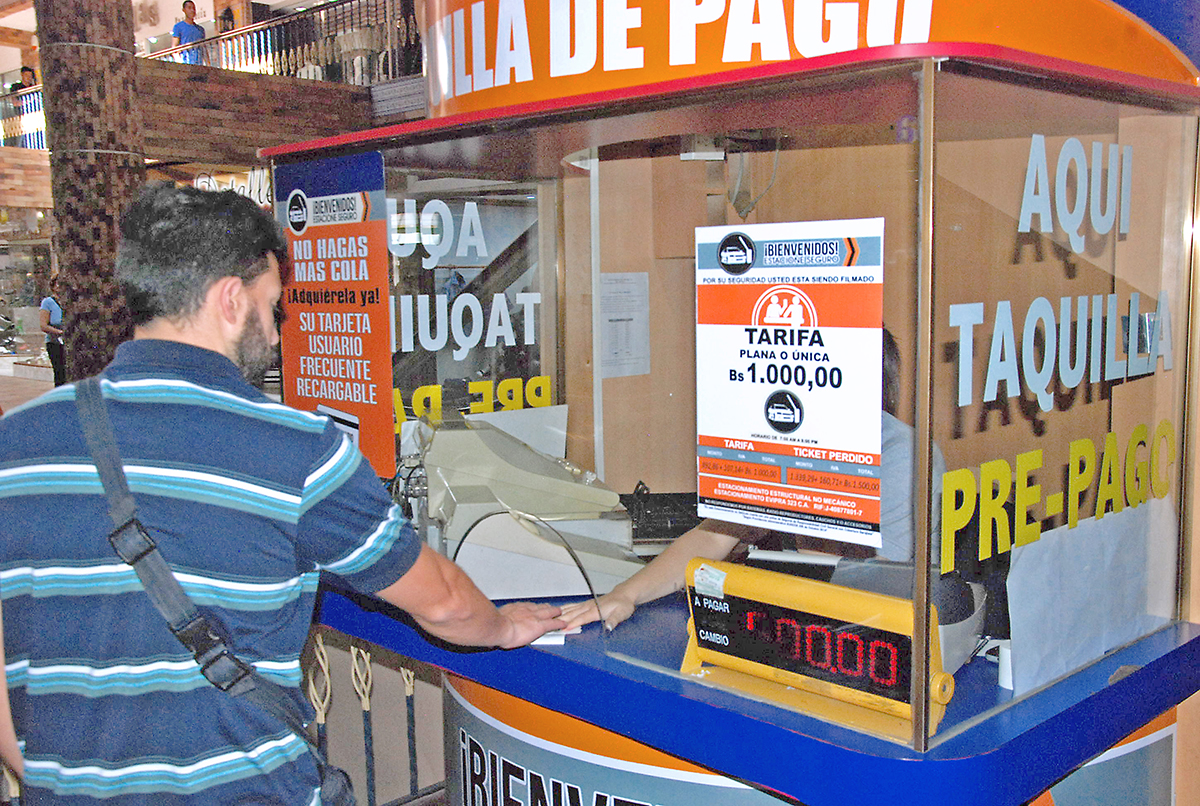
(904, 290)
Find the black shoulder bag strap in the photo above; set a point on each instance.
(134, 545)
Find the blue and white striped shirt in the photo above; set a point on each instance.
(249, 501)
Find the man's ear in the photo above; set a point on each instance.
(227, 300)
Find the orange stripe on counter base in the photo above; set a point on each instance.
(564, 730)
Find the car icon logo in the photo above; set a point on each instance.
(783, 411)
(780, 413)
(734, 256)
(297, 212)
(735, 253)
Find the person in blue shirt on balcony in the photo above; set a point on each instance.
(22, 106)
(28, 79)
(187, 31)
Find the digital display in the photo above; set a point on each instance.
(844, 653)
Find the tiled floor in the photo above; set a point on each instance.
(15, 391)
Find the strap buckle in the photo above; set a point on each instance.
(225, 670)
(131, 542)
(217, 663)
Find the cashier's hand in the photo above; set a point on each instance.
(614, 608)
(529, 621)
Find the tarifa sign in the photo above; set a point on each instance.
(486, 54)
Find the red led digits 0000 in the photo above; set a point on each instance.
(843, 651)
(825, 649)
(853, 655)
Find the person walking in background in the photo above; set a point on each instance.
(51, 314)
(187, 31)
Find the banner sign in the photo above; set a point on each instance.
(489, 54)
(336, 336)
(789, 376)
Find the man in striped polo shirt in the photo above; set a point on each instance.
(249, 501)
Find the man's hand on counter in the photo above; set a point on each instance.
(615, 607)
(530, 621)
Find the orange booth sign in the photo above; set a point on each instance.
(488, 54)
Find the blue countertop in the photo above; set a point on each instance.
(987, 751)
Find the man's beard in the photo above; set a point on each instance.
(255, 355)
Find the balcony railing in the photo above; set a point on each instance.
(23, 120)
(367, 43)
(361, 42)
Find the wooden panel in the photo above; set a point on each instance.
(13, 6)
(650, 420)
(24, 178)
(680, 205)
(1152, 257)
(576, 311)
(203, 114)
(15, 38)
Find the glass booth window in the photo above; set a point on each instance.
(1062, 242)
(805, 164)
(472, 285)
(1061, 238)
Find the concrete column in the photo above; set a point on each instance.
(93, 127)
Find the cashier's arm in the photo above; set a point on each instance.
(9, 750)
(662, 575)
(446, 603)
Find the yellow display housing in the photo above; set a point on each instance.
(836, 653)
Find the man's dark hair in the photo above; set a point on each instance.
(27, 69)
(177, 241)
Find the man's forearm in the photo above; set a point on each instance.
(447, 604)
